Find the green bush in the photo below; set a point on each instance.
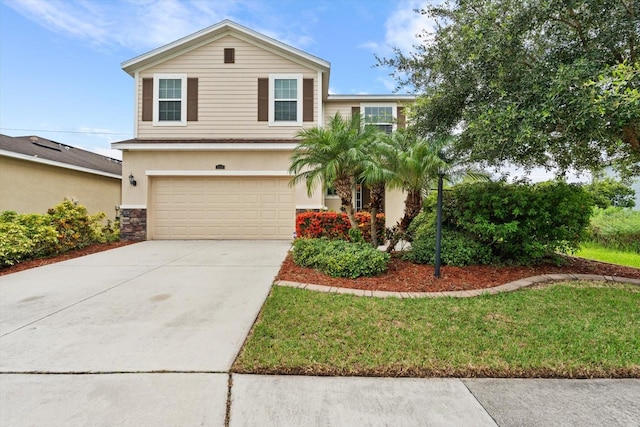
(76, 228)
(455, 248)
(25, 237)
(616, 228)
(66, 226)
(609, 192)
(521, 222)
(339, 258)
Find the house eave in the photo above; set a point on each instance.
(204, 146)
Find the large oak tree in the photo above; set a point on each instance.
(553, 83)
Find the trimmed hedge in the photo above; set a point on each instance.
(339, 258)
(334, 225)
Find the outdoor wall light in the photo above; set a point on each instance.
(132, 180)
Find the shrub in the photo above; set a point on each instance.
(66, 226)
(25, 237)
(76, 228)
(616, 228)
(455, 248)
(339, 258)
(521, 222)
(334, 225)
(609, 192)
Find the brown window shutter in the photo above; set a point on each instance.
(355, 111)
(192, 99)
(402, 120)
(307, 100)
(147, 99)
(229, 55)
(263, 100)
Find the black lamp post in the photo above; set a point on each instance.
(439, 225)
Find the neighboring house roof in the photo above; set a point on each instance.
(220, 30)
(42, 150)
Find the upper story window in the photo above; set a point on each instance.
(379, 116)
(285, 99)
(170, 99)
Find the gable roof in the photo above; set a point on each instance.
(215, 32)
(42, 150)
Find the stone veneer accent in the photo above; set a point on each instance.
(133, 224)
(299, 211)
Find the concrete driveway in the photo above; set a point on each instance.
(180, 308)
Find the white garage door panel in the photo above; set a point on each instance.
(222, 208)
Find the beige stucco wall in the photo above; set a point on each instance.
(141, 163)
(29, 187)
(393, 206)
(227, 93)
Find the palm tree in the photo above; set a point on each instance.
(332, 156)
(413, 164)
(374, 175)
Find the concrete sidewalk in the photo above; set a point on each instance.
(350, 401)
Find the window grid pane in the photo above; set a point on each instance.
(286, 89)
(170, 89)
(378, 115)
(286, 111)
(169, 111)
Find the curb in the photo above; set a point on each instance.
(507, 287)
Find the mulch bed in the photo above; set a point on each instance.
(404, 276)
(91, 249)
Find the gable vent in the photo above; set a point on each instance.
(229, 55)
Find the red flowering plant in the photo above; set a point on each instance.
(334, 225)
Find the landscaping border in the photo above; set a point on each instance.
(507, 287)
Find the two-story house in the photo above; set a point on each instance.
(216, 118)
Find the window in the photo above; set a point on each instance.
(170, 99)
(379, 116)
(285, 99)
(331, 192)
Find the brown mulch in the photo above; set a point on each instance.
(404, 276)
(87, 250)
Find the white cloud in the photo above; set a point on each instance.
(402, 28)
(114, 154)
(388, 82)
(405, 24)
(138, 24)
(141, 25)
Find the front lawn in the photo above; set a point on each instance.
(600, 253)
(573, 330)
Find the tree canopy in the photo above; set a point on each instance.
(552, 83)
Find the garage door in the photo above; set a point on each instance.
(222, 208)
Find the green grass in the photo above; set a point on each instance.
(600, 253)
(571, 330)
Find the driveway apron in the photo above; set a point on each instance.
(179, 308)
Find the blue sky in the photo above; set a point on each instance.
(60, 75)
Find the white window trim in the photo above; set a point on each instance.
(156, 100)
(272, 103)
(394, 112)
